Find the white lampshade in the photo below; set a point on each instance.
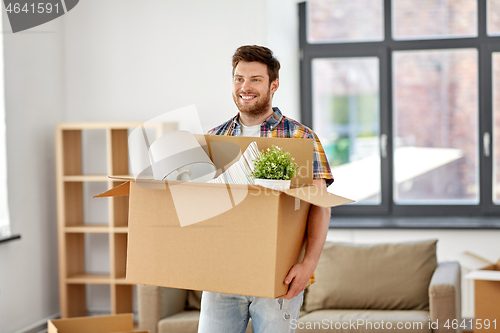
(178, 156)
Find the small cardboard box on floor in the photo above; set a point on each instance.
(237, 239)
(486, 276)
(123, 323)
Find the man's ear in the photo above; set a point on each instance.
(274, 85)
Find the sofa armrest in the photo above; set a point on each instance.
(445, 296)
(155, 303)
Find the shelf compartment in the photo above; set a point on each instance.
(76, 299)
(122, 300)
(75, 254)
(94, 152)
(87, 256)
(97, 254)
(119, 152)
(72, 152)
(80, 208)
(73, 204)
(119, 215)
(120, 255)
(99, 299)
(95, 210)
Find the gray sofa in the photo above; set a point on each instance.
(359, 288)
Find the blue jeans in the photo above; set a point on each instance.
(225, 313)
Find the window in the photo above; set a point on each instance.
(435, 123)
(404, 96)
(493, 17)
(345, 21)
(434, 19)
(346, 117)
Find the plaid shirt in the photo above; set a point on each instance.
(279, 126)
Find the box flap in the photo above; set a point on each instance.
(484, 275)
(472, 261)
(316, 196)
(120, 190)
(308, 193)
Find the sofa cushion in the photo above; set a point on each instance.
(364, 321)
(382, 276)
(182, 322)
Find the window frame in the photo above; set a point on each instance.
(384, 49)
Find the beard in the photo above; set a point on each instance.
(257, 109)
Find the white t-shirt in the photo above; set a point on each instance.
(250, 130)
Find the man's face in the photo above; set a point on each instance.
(252, 92)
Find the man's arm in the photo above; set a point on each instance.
(317, 227)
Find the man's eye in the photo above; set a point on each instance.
(256, 80)
(239, 80)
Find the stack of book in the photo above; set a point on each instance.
(241, 171)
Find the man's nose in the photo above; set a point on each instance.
(245, 86)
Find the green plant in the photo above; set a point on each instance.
(274, 164)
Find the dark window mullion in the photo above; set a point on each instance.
(386, 128)
(388, 20)
(487, 177)
(386, 122)
(482, 19)
(485, 109)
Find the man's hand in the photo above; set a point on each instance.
(298, 278)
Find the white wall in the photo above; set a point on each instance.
(34, 94)
(114, 60)
(129, 62)
(282, 38)
(450, 242)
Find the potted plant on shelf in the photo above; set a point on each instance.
(274, 169)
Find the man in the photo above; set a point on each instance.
(255, 80)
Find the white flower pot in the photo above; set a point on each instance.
(273, 184)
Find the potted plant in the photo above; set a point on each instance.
(274, 169)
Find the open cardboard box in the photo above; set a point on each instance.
(237, 239)
(122, 323)
(486, 276)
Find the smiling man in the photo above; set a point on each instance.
(255, 80)
(253, 87)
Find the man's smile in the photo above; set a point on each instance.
(247, 97)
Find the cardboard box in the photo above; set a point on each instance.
(123, 323)
(242, 239)
(486, 276)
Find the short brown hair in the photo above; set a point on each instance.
(260, 54)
